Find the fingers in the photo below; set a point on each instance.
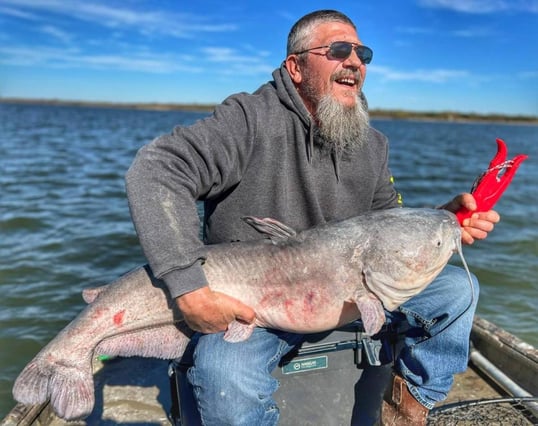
(210, 312)
(466, 237)
(237, 309)
(478, 226)
(464, 200)
(201, 311)
(245, 313)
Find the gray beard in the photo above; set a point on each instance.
(340, 128)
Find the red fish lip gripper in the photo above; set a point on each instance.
(490, 185)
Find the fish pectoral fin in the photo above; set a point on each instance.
(275, 230)
(238, 331)
(372, 313)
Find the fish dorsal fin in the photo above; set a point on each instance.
(275, 230)
(92, 293)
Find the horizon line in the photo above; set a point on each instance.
(193, 106)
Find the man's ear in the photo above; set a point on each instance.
(292, 65)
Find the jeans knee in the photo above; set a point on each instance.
(452, 294)
(232, 386)
(233, 399)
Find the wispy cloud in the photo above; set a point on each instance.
(464, 32)
(73, 58)
(217, 60)
(421, 75)
(111, 49)
(57, 33)
(232, 61)
(482, 6)
(143, 21)
(472, 32)
(17, 13)
(415, 30)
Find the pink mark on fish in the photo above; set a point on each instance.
(289, 307)
(309, 304)
(118, 317)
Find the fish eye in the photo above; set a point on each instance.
(438, 243)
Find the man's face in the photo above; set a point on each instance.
(322, 75)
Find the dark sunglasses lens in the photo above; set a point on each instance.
(342, 50)
(365, 54)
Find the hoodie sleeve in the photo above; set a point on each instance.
(171, 173)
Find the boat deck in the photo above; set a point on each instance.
(137, 391)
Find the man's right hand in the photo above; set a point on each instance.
(210, 311)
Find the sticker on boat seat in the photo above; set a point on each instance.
(305, 364)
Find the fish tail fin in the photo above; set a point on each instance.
(69, 388)
(31, 386)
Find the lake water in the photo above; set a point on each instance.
(65, 225)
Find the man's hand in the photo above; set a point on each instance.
(479, 224)
(210, 311)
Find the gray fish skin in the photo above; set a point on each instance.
(313, 281)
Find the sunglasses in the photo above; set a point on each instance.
(342, 50)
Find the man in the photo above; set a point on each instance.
(299, 150)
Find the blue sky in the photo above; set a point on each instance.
(460, 55)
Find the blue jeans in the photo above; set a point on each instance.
(233, 385)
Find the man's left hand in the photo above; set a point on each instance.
(479, 224)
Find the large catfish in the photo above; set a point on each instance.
(308, 282)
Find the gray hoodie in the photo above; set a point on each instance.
(256, 155)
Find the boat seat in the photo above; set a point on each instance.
(333, 378)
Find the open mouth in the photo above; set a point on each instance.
(346, 81)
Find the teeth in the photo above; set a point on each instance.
(350, 81)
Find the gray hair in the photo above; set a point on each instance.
(301, 31)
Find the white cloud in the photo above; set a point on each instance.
(17, 13)
(232, 62)
(226, 54)
(464, 32)
(56, 33)
(110, 50)
(72, 58)
(218, 61)
(143, 21)
(415, 30)
(431, 76)
(483, 6)
(472, 32)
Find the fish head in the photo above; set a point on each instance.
(407, 249)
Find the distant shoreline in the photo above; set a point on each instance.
(451, 116)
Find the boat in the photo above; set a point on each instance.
(499, 386)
